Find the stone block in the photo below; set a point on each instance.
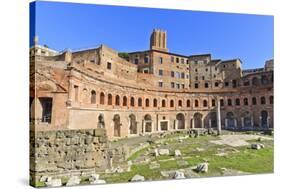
(163, 152)
(137, 178)
(74, 180)
(53, 183)
(100, 132)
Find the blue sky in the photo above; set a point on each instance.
(224, 35)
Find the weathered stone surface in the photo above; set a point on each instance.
(43, 179)
(74, 180)
(100, 132)
(94, 176)
(163, 152)
(53, 183)
(118, 170)
(178, 175)
(155, 153)
(137, 178)
(189, 173)
(129, 163)
(94, 179)
(257, 146)
(177, 153)
(98, 182)
(67, 150)
(202, 168)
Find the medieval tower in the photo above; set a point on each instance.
(158, 40)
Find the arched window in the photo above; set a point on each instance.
(117, 100)
(139, 102)
(205, 103)
(229, 102)
(163, 103)
(221, 102)
(101, 98)
(237, 102)
(124, 101)
(188, 103)
(254, 101)
(93, 97)
(132, 102)
(155, 102)
(246, 101)
(263, 100)
(171, 103)
(180, 103)
(76, 92)
(196, 103)
(147, 102)
(109, 99)
(271, 99)
(213, 102)
(100, 121)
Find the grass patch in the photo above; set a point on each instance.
(252, 161)
(84, 180)
(237, 158)
(39, 184)
(152, 174)
(137, 154)
(170, 165)
(163, 157)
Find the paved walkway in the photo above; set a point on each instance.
(131, 141)
(237, 140)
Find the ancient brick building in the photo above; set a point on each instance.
(147, 91)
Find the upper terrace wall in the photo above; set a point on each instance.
(107, 61)
(84, 94)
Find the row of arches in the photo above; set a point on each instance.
(246, 120)
(263, 80)
(139, 102)
(181, 122)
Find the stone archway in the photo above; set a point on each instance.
(147, 123)
(230, 120)
(213, 120)
(264, 119)
(180, 121)
(133, 124)
(246, 120)
(198, 120)
(101, 123)
(117, 125)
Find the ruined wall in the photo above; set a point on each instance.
(61, 152)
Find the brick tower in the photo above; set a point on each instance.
(158, 40)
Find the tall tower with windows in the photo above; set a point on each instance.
(158, 40)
